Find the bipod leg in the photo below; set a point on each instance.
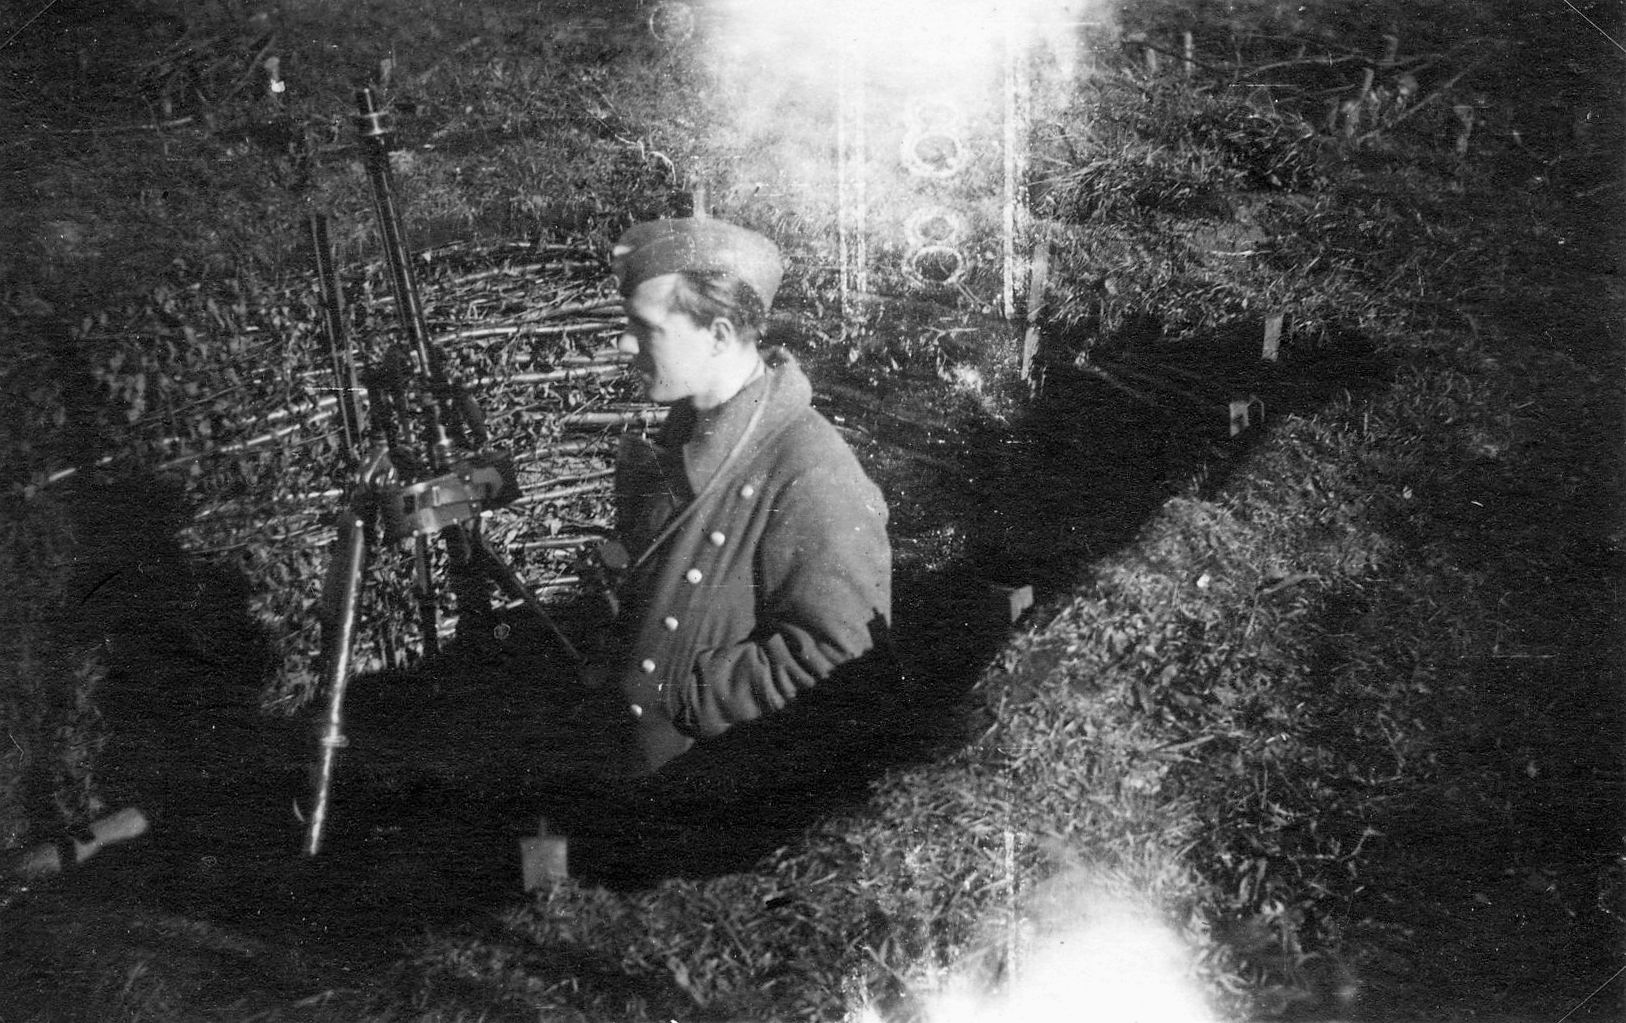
(341, 597)
(423, 581)
(514, 586)
(469, 578)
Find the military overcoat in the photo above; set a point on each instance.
(778, 575)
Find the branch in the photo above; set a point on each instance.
(1114, 382)
(543, 496)
(1413, 63)
(1178, 55)
(1450, 83)
(114, 129)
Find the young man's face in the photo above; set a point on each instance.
(673, 356)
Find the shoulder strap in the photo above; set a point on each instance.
(712, 485)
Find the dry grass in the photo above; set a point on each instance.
(1223, 721)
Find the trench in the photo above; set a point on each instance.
(992, 488)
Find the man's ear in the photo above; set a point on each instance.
(723, 334)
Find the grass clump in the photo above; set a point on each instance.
(1226, 718)
(1194, 209)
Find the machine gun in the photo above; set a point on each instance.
(410, 483)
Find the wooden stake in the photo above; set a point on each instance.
(1036, 285)
(1016, 116)
(1013, 935)
(544, 858)
(1465, 119)
(1273, 337)
(1239, 415)
(851, 182)
(1354, 110)
(1244, 412)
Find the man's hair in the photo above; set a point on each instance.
(707, 295)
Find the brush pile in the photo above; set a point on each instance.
(235, 396)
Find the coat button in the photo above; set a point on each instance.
(637, 711)
(648, 666)
(748, 491)
(670, 623)
(693, 575)
(717, 539)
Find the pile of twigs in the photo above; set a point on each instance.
(236, 394)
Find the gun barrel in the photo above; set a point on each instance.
(373, 123)
(375, 132)
(340, 352)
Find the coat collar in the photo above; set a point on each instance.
(712, 434)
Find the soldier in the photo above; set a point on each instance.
(757, 567)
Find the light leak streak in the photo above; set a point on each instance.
(1091, 953)
(865, 111)
(905, 42)
(1119, 963)
(1595, 25)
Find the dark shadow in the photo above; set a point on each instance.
(1035, 498)
(453, 763)
(184, 738)
(734, 799)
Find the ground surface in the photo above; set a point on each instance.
(1476, 916)
(1466, 916)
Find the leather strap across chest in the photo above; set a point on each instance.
(713, 485)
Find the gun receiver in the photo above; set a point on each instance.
(456, 498)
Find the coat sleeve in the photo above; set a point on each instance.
(824, 597)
